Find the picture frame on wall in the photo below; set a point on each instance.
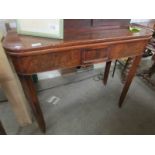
(50, 28)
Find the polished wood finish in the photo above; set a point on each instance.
(111, 23)
(2, 131)
(28, 61)
(85, 42)
(72, 24)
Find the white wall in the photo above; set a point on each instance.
(2, 25)
(139, 20)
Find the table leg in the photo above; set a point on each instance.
(106, 72)
(113, 73)
(31, 94)
(2, 131)
(130, 76)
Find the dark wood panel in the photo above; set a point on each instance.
(76, 23)
(46, 62)
(115, 23)
(127, 50)
(70, 24)
(92, 55)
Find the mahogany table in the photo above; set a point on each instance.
(87, 45)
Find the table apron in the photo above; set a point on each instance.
(30, 64)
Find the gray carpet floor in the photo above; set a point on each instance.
(84, 106)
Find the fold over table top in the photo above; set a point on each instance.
(18, 44)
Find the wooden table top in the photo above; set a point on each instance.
(14, 42)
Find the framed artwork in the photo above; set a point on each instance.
(50, 28)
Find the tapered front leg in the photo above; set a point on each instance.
(113, 73)
(106, 72)
(129, 79)
(31, 94)
(2, 131)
